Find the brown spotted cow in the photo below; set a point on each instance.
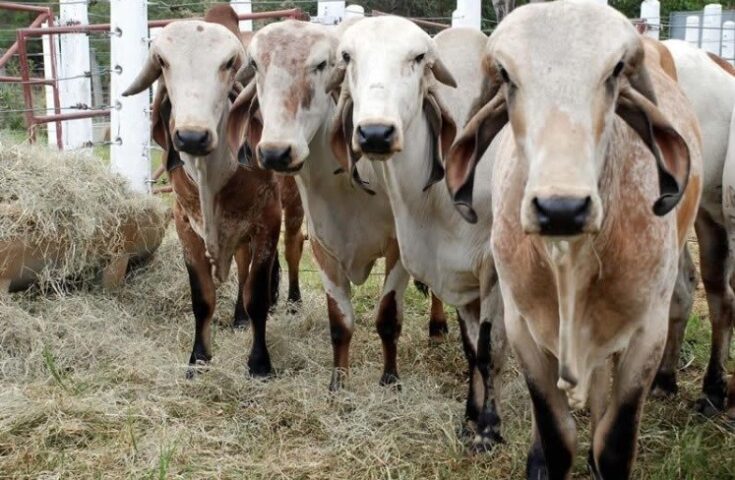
(222, 209)
(589, 135)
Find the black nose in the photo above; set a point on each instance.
(275, 158)
(194, 142)
(376, 138)
(562, 215)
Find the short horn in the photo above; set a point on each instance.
(150, 73)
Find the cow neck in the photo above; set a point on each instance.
(210, 174)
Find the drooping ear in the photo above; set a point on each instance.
(668, 147)
(443, 131)
(490, 117)
(441, 73)
(150, 73)
(241, 121)
(160, 124)
(341, 142)
(334, 84)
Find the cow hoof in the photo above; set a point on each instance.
(709, 405)
(438, 331)
(591, 467)
(260, 369)
(536, 464)
(196, 366)
(337, 382)
(241, 323)
(664, 385)
(390, 379)
(294, 307)
(484, 442)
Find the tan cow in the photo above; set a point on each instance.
(595, 184)
(222, 209)
(289, 111)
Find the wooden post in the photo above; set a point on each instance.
(76, 86)
(130, 116)
(243, 6)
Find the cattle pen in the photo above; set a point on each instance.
(93, 380)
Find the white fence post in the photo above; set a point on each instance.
(48, 74)
(712, 28)
(330, 12)
(352, 11)
(76, 88)
(692, 30)
(468, 14)
(243, 6)
(651, 12)
(728, 41)
(130, 117)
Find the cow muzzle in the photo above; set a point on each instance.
(197, 142)
(561, 215)
(278, 157)
(377, 140)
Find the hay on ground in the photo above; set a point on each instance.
(63, 216)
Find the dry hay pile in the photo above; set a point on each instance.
(69, 211)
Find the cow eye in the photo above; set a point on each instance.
(229, 64)
(346, 57)
(321, 66)
(504, 74)
(419, 58)
(161, 61)
(253, 64)
(618, 68)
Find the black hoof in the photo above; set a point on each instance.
(337, 382)
(294, 307)
(664, 385)
(485, 442)
(198, 363)
(710, 405)
(242, 323)
(536, 464)
(437, 331)
(294, 295)
(591, 467)
(260, 368)
(390, 379)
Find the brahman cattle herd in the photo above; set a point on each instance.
(543, 181)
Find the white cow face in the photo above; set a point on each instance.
(198, 61)
(561, 88)
(286, 101)
(389, 64)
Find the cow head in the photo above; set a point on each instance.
(388, 68)
(198, 61)
(561, 73)
(285, 100)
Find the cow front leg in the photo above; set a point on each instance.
(242, 259)
(258, 299)
(664, 384)
(484, 343)
(389, 319)
(438, 329)
(715, 263)
(554, 433)
(294, 239)
(615, 437)
(340, 312)
(203, 294)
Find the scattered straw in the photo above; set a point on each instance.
(68, 205)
